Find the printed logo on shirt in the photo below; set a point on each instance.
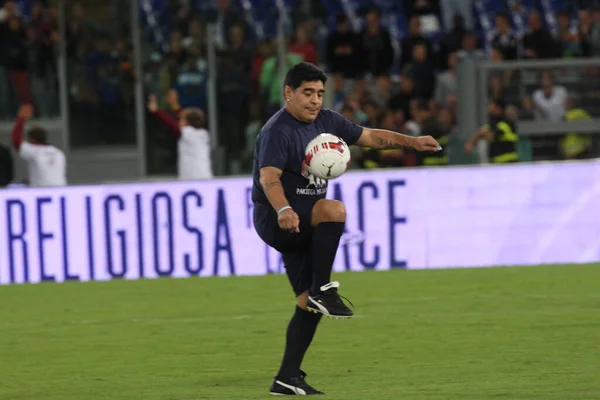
(315, 187)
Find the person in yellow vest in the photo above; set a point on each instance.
(501, 134)
(574, 145)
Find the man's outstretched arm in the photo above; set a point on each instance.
(383, 140)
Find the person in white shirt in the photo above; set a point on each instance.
(46, 164)
(548, 102)
(194, 148)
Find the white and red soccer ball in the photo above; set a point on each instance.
(327, 156)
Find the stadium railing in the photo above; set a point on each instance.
(519, 81)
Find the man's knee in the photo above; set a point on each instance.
(302, 300)
(328, 211)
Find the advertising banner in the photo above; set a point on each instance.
(417, 218)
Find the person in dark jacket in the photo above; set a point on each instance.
(7, 171)
(343, 49)
(378, 53)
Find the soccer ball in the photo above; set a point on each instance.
(327, 156)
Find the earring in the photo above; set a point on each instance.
(287, 100)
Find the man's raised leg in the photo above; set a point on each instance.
(328, 220)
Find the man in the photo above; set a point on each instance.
(301, 224)
(415, 37)
(548, 102)
(343, 49)
(7, 171)
(194, 158)
(501, 134)
(504, 39)
(46, 164)
(538, 43)
(376, 44)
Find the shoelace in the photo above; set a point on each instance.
(333, 292)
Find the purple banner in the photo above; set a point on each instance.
(421, 218)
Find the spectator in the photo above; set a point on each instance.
(46, 164)
(452, 42)
(233, 98)
(401, 101)
(452, 8)
(504, 39)
(382, 91)
(501, 134)
(548, 102)
(190, 82)
(414, 38)
(7, 172)
(195, 36)
(585, 31)
(272, 75)
(264, 51)
(177, 54)
(240, 50)
(224, 17)
(16, 58)
(339, 93)
(43, 31)
(422, 72)
(566, 37)
(301, 45)
(194, 151)
(343, 49)
(538, 42)
(359, 116)
(470, 43)
(372, 111)
(79, 31)
(445, 87)
(422, 7)
(377, 45)
(575, 145)
(594, 33)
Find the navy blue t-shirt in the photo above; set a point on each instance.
(281, 143)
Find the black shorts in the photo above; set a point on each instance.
(294, 247)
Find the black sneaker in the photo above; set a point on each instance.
(328, 302)
(293, 387)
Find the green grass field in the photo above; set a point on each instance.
(497, 333)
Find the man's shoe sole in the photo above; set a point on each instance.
(326, 313)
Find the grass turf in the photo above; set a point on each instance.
(497, 333)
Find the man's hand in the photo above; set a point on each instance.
(289, 221)
(25, 111)
(152, 103)
(425, 143)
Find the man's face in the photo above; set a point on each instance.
(414, 26)
(501, 24)
(372, 23)
(534, 21)
(563, 21)
(306, 101)
(223, 5)
(343, 27)
(495, 111)
(420, 53)
(546, 82)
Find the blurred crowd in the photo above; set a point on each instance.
(376, 80)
